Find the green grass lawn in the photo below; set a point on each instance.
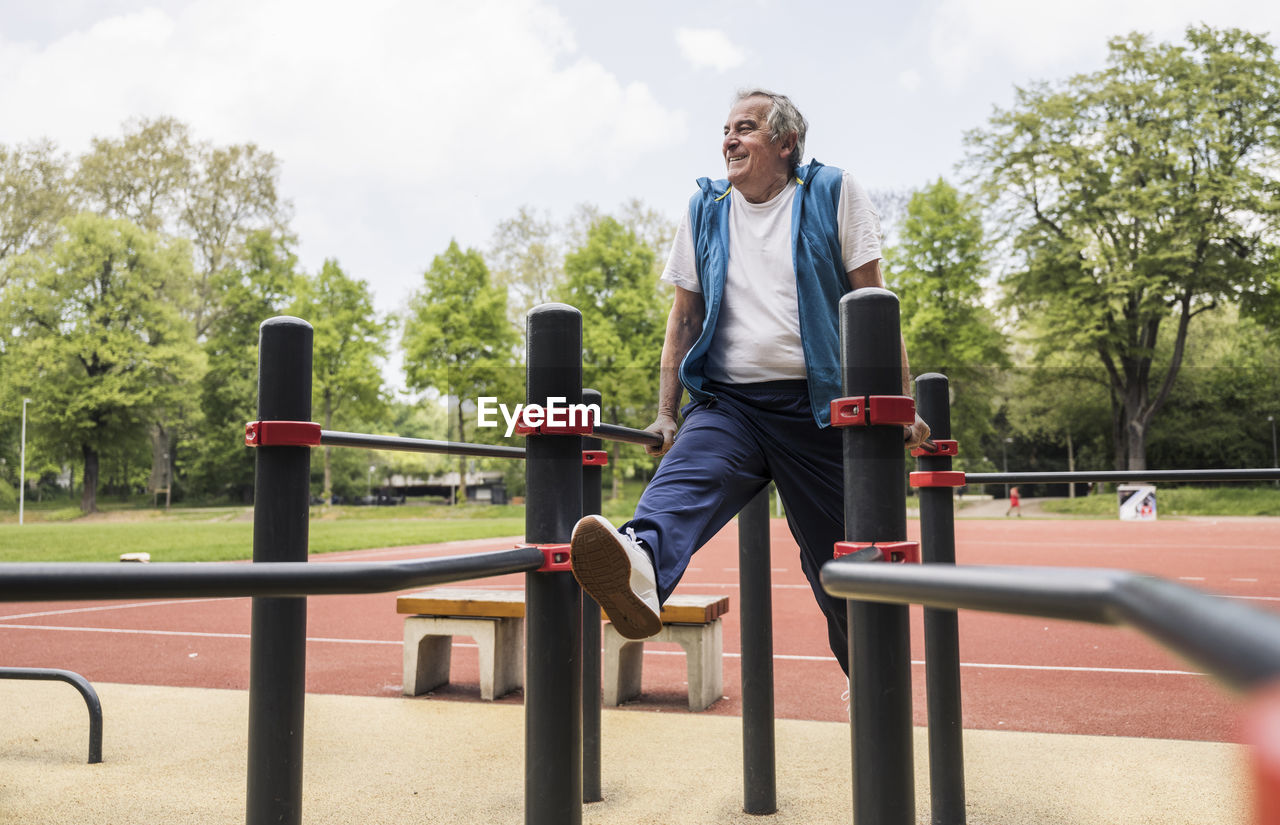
(56, 532)
(187, 540)
(1182, 501)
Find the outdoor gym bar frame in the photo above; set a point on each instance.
(559, 718)
(91, 701)
(1237, 644)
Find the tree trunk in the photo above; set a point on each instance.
(159, 437)
(1137, 443)
(89, 496)
(328, 425)
(615, 489)
(163, 444)
(1119, 440)
(462, 460)
(1137, 414)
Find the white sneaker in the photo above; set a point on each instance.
(618, 574)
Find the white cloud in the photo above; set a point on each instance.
(709, 48)
(393, 119)
(1041, 39)
(909, 80)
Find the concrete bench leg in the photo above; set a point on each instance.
(428, 642)
(623, 663)
(502, 662)
(703, 646)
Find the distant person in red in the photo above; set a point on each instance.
(1015, 503)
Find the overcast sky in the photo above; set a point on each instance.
(400, 125)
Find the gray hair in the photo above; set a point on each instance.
(783, 119)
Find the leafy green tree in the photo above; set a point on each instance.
(612, 278)
(97, 338)
(140, 176)
(34, 197)
(157, 175)
(526, 260)
(1139, 197)
(937, 268)
(415, 419)
(231, 198)
(350, 340)
(260, 284)
(458, 341)
(1057, 405)
(1228, 386)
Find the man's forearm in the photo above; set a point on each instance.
(684, 324)
(677, 345)
(669, 391)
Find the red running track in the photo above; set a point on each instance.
(1018, 673)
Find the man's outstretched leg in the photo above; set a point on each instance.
(617, 573)
(713, 469)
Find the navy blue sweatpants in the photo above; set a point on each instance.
(726, 451)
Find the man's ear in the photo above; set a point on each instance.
(787, 145)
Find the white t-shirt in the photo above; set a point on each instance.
(757, 335)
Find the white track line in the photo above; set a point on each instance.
(107, 607)
(980, 665)
(199, 634)
(777, 656)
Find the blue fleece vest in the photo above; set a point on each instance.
(820, 278)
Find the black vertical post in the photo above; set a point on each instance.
(592, 503)
(553, 600)
(876, 510)
(755, 586)
(941, 628)
(277, 649)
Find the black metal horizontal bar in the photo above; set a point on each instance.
(91, 700)
(1258, 474)
(39, 581)
(365, 441)
(1239, 645)
(616, 432)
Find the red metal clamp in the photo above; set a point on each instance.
(942, 448)
(282, 434)
(898, 552)
(555, 557)
(594, 458)
(860, 411)
(938, 478)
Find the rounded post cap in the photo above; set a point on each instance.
(283, 321)
(553, 309)
(869, 294)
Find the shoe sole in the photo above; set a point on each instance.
(601, 566)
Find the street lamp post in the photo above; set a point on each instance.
(22, 463)
(1275, 461)
(369, 491)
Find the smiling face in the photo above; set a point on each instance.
(758, 167)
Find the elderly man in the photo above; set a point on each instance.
(759, 265)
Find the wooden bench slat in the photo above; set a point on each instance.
(460, 601)
(694, 609)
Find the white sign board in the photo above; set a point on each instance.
(1137, 502)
